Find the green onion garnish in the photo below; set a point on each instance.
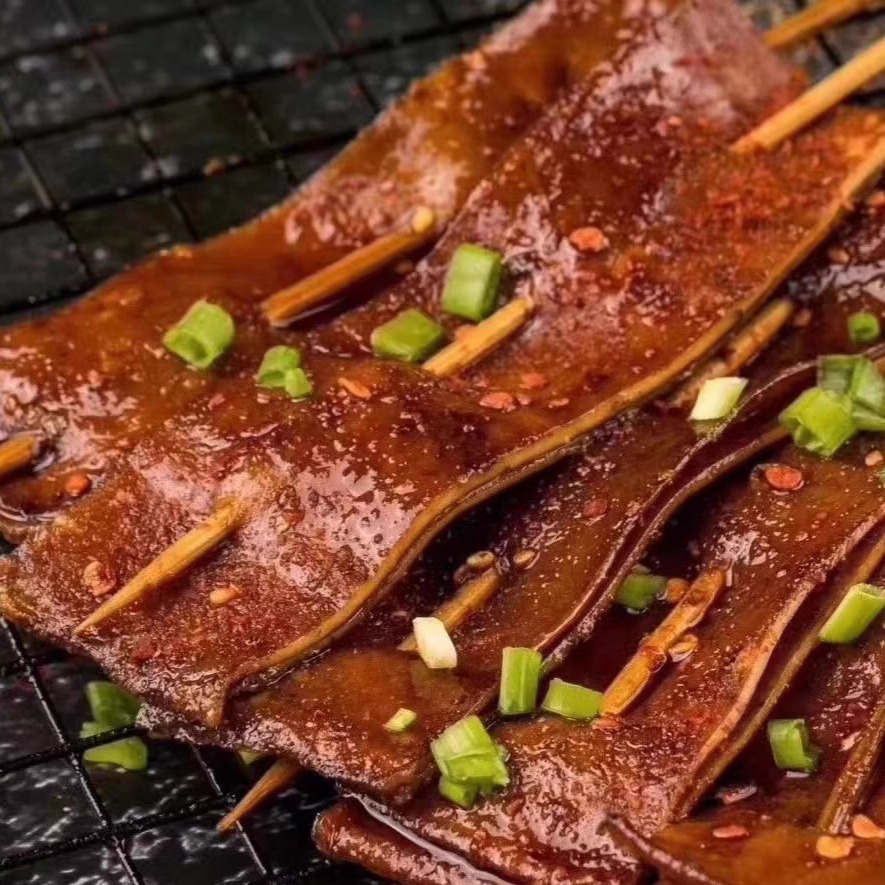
(202, 335)
(640, 590)
(248, 757)
(401, 721)
(867, 419)
(130, 753)
(862, 604)
(717, 397)
(297, 384)
(281, 369)
(471, 289)
(276, 363)
(863, 328)
(520, 675)
(461, 794)
(571, 701)
(466, 754)
(791, 745)
(867, 386)
(819, 421)
(834, 372)
(111, 706)
(410, 337)
(435, 646)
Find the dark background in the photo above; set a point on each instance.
(126, 126)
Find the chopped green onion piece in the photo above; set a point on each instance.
(461, 794)
(130, 753)
(297, 384)
(717, 397)
(864, 328)
(401, 721)
(791, 745)
(202, 335)
(111, 706)
(277, 362)
(435, 646)
(466, 754)
(640, 590)
(471, 289)
(571, 701)
(834, 372)
(867, 419)
(819, 421)
(410, 337)
(867, 386)
(249, 756)
(520, 675)
(862, 604)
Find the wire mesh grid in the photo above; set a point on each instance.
(125, 127)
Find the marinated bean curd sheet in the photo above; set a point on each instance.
(330, 714)
(762, 813)
(331, 519)
(561, 545)
(94, 378)
(649, 765)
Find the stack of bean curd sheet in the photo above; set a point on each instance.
(589, 145)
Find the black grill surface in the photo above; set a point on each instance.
(126, 126)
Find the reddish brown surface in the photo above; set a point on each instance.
(433, 146)
(349, 694)
(567, 777)
(334, 515)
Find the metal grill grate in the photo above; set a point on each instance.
(125, 127)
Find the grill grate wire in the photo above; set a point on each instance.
(83, 86)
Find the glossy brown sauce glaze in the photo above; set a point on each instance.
(583, 524)
(336, 516)
(94, 377)
(838, 694)
(646, 768)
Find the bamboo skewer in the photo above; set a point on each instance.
(468, 349)
(173, 561)
(454, 612)
(817, 100)
(19, 452)
(815, 19)
(290, 303)
(479, 341)
(651, 656)
(751, 340)
(273, 781)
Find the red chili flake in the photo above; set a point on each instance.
(595, 508)
(589, 239)
(532, 381)
(802, 318)
(731, 831)
(784, 478)
(143, 651)
(98, 579)
(355, 388)
(834, 847)
(78, 484)
(731, 795)
(876, 200)
(865, 828)
(499, 399)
